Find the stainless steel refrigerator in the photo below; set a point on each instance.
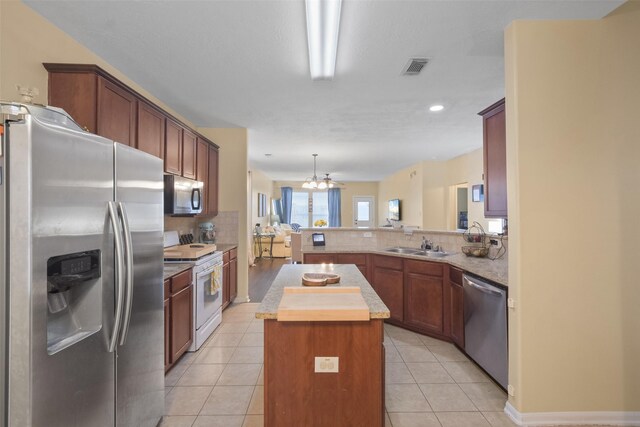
(81, 232)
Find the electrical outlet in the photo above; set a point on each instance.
(326, 364)
(511, 390)
(367, 234)
(493, 242)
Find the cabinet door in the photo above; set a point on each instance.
(202, 171)
(181, 322)
(388, 284)
(457, 314)
(233, 279)
(150, 130)
(495, 161)
(189, 150)
(319, 258)
(424, 302)
(212, 182)
(173, 148)
(167, 334)
(226, 283)
(116, 113)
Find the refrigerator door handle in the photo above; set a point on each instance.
(128, 244)
(120, 270)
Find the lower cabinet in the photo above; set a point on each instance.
(178, 317)
(229, 276)
(457, 306)
(424, 295)
(233, 274)
(359, 259)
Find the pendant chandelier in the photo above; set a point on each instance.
(314, 182)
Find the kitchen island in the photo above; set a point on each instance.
(297, 395)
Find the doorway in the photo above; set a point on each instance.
(363, 211)
(460, 212)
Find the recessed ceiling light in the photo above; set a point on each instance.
(436, 108)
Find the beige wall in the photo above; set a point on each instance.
(234, 190)
(572, 151)
(260, 183)
(428, 195)
(27, 40)
(405, 185)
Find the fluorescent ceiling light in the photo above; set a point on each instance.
(323, 24)
(436, 108)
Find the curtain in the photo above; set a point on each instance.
(277, 209)
(287, 195)
(334, 207)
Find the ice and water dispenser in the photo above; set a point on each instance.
(74, 299)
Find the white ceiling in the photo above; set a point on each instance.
(245, 64)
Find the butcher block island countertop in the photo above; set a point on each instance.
(297, 392)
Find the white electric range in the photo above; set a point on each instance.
(207, 283)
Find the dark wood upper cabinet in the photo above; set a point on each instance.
(212, 182)
(189, 154)
(103, 105)
(202, 171)
(151, 128)
(495, 160)
(116, 113)
(173, 148)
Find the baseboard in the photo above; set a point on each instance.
(530, 419)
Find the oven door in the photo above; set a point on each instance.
(208, 293)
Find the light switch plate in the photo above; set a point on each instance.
(326, 364)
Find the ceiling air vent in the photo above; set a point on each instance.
(414, 66)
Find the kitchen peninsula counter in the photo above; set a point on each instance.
(295, 392)
(493, 270)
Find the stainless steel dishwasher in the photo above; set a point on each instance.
(485, 327)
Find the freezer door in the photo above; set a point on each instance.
(59, 182)
(140, 361)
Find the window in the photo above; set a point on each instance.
(309, 206)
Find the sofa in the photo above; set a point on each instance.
(281, 241)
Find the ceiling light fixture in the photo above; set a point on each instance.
(323, 24)
(314, 182)
(435, 108)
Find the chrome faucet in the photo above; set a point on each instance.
(426, 244)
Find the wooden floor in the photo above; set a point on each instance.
(261, 276)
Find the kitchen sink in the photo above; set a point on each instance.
(406, 251)
(419, 252)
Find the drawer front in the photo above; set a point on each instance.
(357, 259)
(233, 253)
(167, 289)
(425, 267)
(392, 262)
(455, 275)
(225, 257)
(180, 281)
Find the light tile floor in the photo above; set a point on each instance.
(429, 383)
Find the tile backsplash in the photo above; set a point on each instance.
(226, 223)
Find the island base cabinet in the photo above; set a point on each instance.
(295, 395)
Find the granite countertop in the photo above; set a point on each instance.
(224, 247)
(291, 275)
(494, 270)
(171, 269)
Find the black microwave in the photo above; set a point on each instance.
(182, 196)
